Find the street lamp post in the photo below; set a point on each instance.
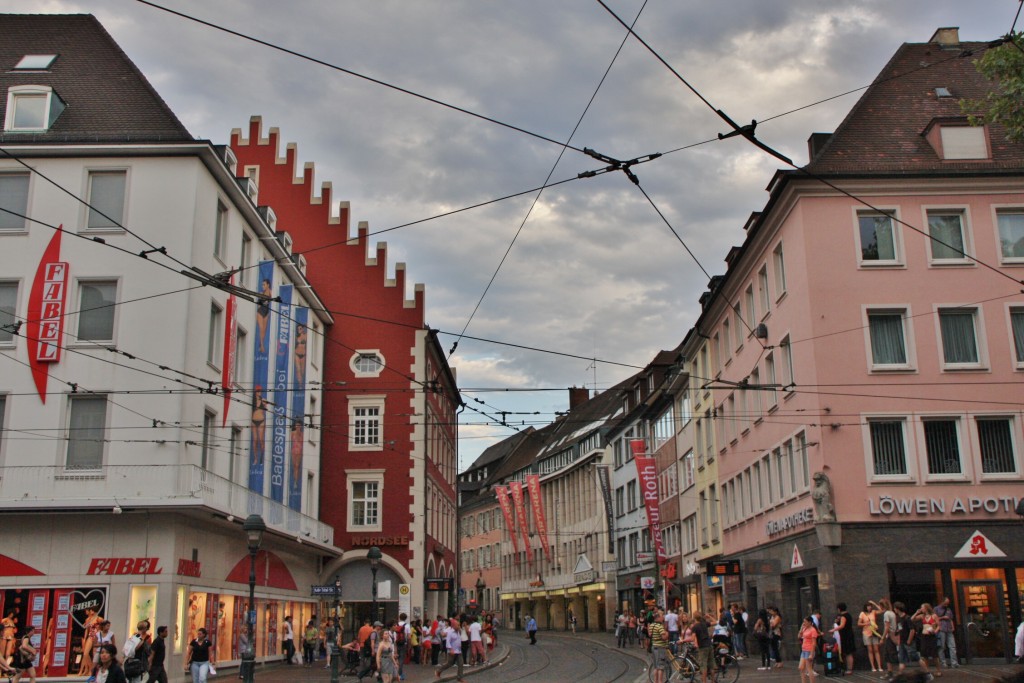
(332, 648)
(254, 527)
(374, 557)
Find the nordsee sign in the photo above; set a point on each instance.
(887, 505)
(778, 526)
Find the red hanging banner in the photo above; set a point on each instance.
(506, 512)
(537, 504)
(228, 364)
(44, 328)
(647, 473)
(517, 498)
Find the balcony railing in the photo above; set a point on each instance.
(55, 487)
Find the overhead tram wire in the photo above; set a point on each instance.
(748, 132)
(350, 72)
(536, 199)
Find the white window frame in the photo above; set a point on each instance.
(997, 210)
(221, 221)
(959, 420)
(353, 362)
(899, 261)
(965, 229)
(364, 476)
(909, 345)
(245, 259)
(688, 472)
(78, 282)
(750, 299)
(242, 358)
(215, 336)
(764, 291)
(909, 448)
(779, 266)
(356, 402)
(1016, 442)
(23, 230)
(16, 283)
(788, 368)
(18, 91)
(97, 396)
(1018, 363)
(979, 338)
(90, 173)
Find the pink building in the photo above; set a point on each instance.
(867, 352)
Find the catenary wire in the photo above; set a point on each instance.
(341, 69)
(547, 180)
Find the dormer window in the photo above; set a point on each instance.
(964, 142)
(955, 139)
(35, 63)
(32, 108)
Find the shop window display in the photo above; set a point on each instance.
(65, 619)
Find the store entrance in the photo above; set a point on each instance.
(982, 614)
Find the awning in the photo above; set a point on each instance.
(593, 587)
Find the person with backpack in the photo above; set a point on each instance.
(25, 655)
(310, 643)
(136, 653)
(400, 636)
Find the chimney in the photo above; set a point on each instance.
(578, 396)
(948, 36)
(816, 143)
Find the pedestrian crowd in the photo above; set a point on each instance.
(381, 651)
(894, 637)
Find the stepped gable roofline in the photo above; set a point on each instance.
(328, 213)
(108, 98)
(303, 177)
(884, 132)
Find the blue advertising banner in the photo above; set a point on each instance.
(260, 370)
(298, 407)
(279, 447)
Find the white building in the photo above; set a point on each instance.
(125, 472)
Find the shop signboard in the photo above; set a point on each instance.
(440, 584)
(325, 590)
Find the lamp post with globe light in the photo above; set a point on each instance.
(374, 556)
(254, 527)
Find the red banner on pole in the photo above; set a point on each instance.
(647, 473)
(506, 512)
(506, 506)
(44, 329)
(228, 366)
(517, 498)
(537, 503)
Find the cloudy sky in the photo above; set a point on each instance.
(594, 272)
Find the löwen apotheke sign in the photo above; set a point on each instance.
(887, 506)
(799, 518)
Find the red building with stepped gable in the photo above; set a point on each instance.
(389, 431)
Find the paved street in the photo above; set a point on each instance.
(592, 658)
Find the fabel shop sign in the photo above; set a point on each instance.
(926, 506)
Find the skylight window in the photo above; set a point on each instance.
(35, 62)
(943, 92)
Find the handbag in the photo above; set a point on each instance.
(212, 670)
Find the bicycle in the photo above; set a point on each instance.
(684, 666)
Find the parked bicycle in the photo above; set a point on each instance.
(684, 667)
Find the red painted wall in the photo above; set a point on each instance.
(349, 288)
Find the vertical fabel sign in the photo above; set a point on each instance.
(44, 328)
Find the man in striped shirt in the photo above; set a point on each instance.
(659, 645)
